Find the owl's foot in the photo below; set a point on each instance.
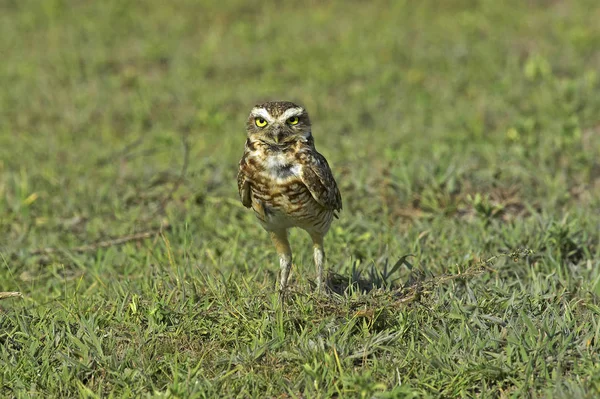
(282, 294)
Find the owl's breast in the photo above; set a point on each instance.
(280, 199)
(281, 206)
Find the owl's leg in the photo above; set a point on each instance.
(282, 245)
(319, 257)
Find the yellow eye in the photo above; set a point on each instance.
(293, 120)
(260, 122)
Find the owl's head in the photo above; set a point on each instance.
(278, 123)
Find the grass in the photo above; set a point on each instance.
(463, 133)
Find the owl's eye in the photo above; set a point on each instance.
(293, 120)
(260, 122)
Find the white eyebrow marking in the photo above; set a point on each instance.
(291, 112)
(261, 113)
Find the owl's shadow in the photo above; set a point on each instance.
(364, 279)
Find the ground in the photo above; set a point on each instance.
(465, 139)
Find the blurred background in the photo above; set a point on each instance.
(457, 130)
(115, 112)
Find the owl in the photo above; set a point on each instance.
(286, 182)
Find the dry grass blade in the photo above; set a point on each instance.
(107, 243)
(126, 151)
(184, 167)
(415, 290)
(6, 295)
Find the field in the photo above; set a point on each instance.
(465, 139)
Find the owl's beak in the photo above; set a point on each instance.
(277, 135)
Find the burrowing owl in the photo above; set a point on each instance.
(286, 181)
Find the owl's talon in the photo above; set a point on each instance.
(281, 296)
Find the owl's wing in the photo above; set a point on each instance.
(244, 184)
(317, 177)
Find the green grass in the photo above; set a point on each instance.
(465, 133)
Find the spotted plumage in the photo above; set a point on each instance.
(286, 181)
